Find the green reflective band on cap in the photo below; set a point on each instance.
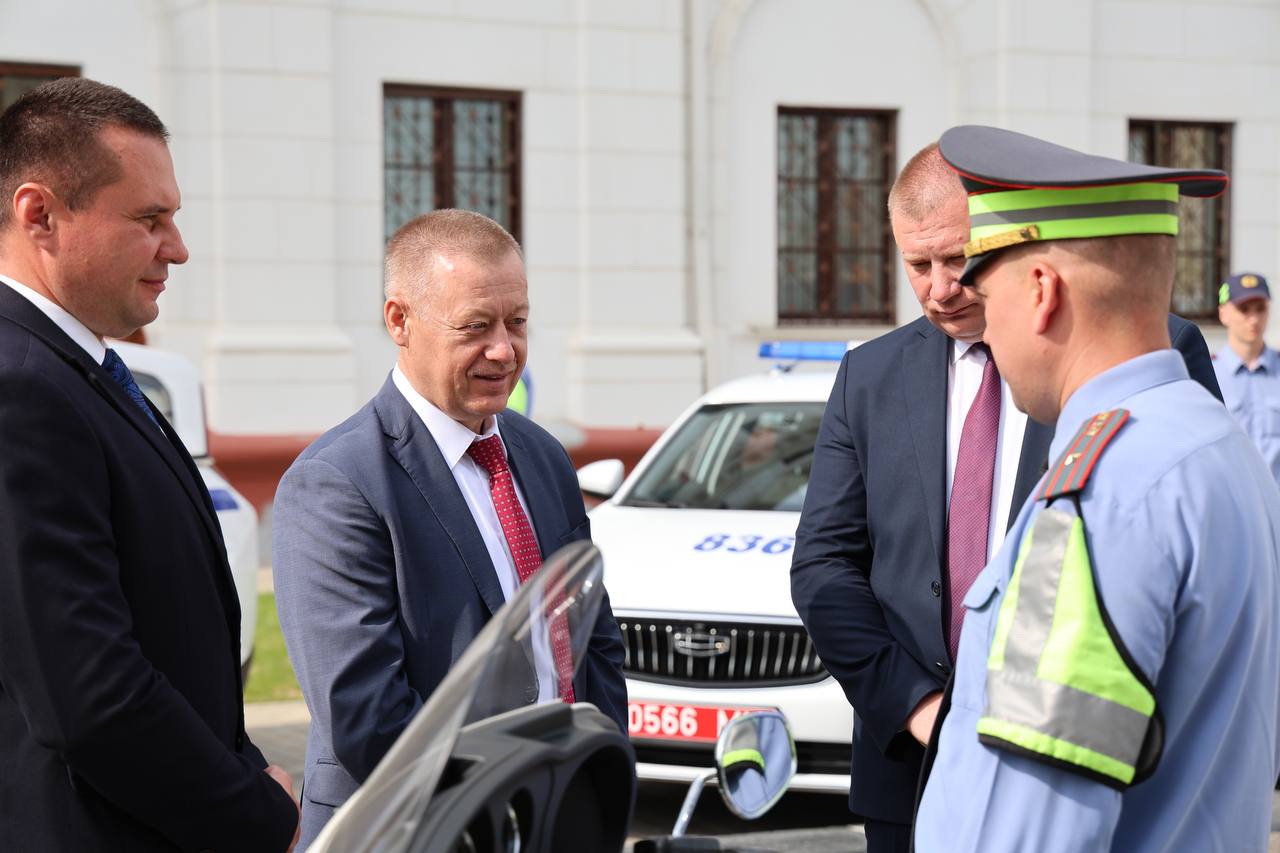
(1098, 226)
(1073, 211)
(736, 757)
(993, 202)
(1069, 214)
(1224, 294)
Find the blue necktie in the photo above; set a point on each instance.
(120, 373)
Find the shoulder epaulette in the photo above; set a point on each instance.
(1069, 474)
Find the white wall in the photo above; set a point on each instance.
(649, 162)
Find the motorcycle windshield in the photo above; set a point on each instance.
(525, 654)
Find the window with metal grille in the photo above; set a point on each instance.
(18, 78)
(450, 148)
(836, 256)
(1204, 224)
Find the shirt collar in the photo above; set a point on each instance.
(959, 349)
(1109, 389)
(1229, 360)
(451, 437)
(1233, 364)
(63, 319)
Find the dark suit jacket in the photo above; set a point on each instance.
(870, 563)
(121, 726)
(383, 579)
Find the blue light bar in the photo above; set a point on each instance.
(804, 350)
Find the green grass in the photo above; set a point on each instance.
(271, 679)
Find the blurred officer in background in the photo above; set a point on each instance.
(1248, 370)
(1116, 689)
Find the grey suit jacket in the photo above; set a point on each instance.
(383, 579)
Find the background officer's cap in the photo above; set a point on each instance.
(1023, 189)
(1242, 287)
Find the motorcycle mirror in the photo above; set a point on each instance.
(755, 762)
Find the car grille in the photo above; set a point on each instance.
(705, 654)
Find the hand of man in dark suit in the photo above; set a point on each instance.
(920, 723)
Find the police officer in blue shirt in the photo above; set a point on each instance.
(1248, 370)
(1118, 678)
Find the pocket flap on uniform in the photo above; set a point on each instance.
(984, 587)
(329, 785)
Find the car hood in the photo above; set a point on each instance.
(696, 561)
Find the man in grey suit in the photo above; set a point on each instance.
(399, 532)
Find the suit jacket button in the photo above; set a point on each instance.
(936, 589)
(942, 667)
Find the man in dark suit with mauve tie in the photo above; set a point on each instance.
(402, 530)
(921, 463)
(121, 724)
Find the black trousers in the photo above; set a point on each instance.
(886, 837)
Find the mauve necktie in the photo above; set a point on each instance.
(489, 455)
(120, 372)
(969, 515)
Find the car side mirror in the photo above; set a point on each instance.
(755, 762)
(602, 478)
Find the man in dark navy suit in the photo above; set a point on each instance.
(121, 725)
(921, 463)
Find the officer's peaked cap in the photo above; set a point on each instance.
(1022, 189)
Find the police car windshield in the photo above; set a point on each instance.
(753, 456)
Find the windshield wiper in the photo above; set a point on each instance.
(642, 502)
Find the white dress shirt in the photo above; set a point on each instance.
(63, 319)
(454, 439)
(964, 376)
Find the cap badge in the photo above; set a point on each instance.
(999, 241)
(1249, 281)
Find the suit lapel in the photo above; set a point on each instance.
(924, 386)
(412, 446)
(26, 315)
(536, 493)
(1031, 464)
(169, 446)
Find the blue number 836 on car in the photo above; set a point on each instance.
(697, 545)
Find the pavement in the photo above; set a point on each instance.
(279, 729)
(808, 823)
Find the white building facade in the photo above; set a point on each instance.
(688, 177)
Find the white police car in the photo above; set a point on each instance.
(697, 545)
(173, 384)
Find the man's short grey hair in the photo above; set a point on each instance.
(924, 184)
(412, 252)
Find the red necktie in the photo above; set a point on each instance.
(489, 455)
(969, 516)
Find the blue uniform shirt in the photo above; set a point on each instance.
(1183, 523)
(1253, 398)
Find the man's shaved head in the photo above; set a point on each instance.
(924, 184)
(414, 249)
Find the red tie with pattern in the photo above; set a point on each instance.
(969, 516)
(489, 455)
